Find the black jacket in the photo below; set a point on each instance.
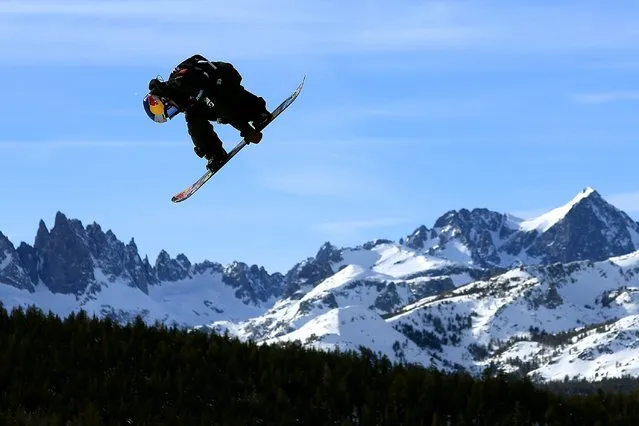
(196, 79)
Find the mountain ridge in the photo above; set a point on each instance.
(462, 245)
(340, 297)
(446, 228)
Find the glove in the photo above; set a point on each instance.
(251, 136)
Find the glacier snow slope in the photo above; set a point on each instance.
(186, 302)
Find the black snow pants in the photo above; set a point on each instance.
(236, 108)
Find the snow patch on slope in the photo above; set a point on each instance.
(185, 302)
(490, 316)
(390, 259)
(353, 285)
(612, 351)
(347, 328)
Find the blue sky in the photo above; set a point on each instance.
(410, 109)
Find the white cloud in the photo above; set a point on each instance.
(317, 180)
(350, 226)
(138, 32)
(428, 107)
(321, 143)
(615, 64)
(348, 232)
(325, 167)
(348, 115)
(236, 12)
(60, 144)
(606, 97)
(113, 32)
(41, 152)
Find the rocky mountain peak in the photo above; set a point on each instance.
(312, 270)
(253, 284)
(169, 269)
(42, 236)
(587, 192)
(328, 253)
(67, 266)
(12, 270)
(417, 240)
(465, 218)
(73, 259)
(587, 227)
(369, 245)
(132, 245)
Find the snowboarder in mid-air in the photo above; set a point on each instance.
(207, 91)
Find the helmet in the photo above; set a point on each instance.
(158, 109)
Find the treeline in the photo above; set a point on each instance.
(84, 371)
(624, 384)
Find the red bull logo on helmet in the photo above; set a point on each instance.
(154, 108)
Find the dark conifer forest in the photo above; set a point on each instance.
(80, 370)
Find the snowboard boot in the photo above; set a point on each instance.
(217, 159)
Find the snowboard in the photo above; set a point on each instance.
(192, 189)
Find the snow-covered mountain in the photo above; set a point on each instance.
(544, 316)
(586, 228)
(72, 267)
(478, 287)
(422, 275)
